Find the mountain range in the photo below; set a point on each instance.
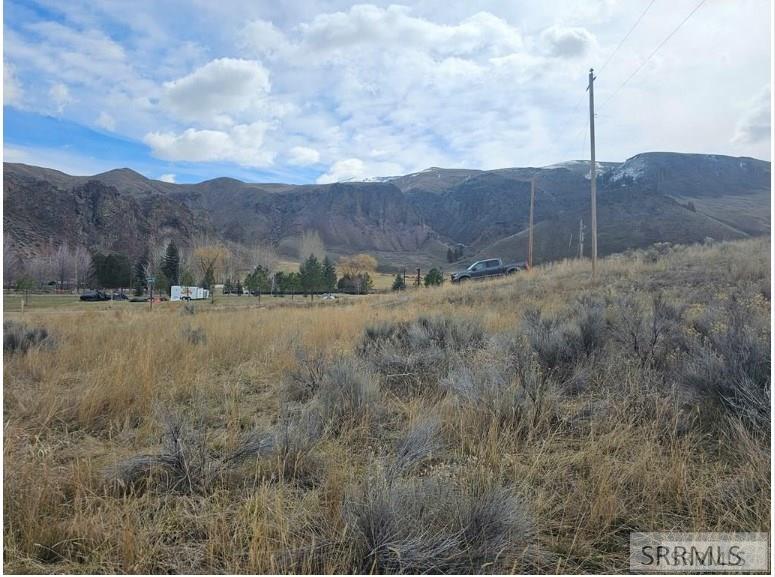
(409, 220)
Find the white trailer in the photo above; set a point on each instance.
(185, 293)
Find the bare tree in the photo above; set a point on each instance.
(82, 264)
(310, 243)
(41, 268)
(11, 263)
(264, 255)
(64, 264)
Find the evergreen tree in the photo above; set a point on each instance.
(227, 288)
(434, 277)
(259, 280)
(238, 288)
(111, 271)
(162, 284)
(208, 279)
(170, 264)
(186, 278)
(139, 281)
(311, 275)
(329, 275)
(399, 283)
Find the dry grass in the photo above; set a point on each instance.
(543, 420)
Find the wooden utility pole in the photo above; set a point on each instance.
(581, 238)
(593, 170)
(530, 229)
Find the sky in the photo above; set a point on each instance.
(323, 91)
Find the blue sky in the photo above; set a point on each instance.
(326, 90)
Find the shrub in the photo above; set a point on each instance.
(433, 278)
(304, 380)
(347, 390)
(590, 324)
(195, 336)
(413, 356)
(185, 464)
(188, 309)
(417, 445)
(730, 363)
(649, 334)
(18, 337)
(435, 526)
(512, 389)
(550, 339)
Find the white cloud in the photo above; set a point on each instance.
(264, 39)
(241, 144)
(354, 169)
(348, 169)
(399, 88)
(12, 90)
(106, 121)
(567, 42)
(754, 126)
(218, 91)
(60, 96)
(303, 156)
(169, 177)
(395, 26)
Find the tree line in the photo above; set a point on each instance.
(204, 265)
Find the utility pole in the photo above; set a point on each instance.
(581, 238)
(530, 229)
(593, 170)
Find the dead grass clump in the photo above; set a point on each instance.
(185, 464)
(19, 338)
(437, 526)
(304, 380)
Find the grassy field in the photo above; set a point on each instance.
(526, 424)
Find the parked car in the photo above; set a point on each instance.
(95, 296)
(120, 297)
(487, 268)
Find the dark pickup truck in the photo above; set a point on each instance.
(487, 268)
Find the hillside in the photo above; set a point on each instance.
(404, 220)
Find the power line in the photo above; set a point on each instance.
(650, 56)
(626, 36)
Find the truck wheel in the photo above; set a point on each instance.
(510, 272)
(464, 279)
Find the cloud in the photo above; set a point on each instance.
(241, 144)
(106, 121)
(217, 91)
(303, 156)
(566, 42)
(169, 177)
(60, 96)
(12, 90)
(263, 39)
(394, 26)
(356, 170)
(754, 126)
(348, 169)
